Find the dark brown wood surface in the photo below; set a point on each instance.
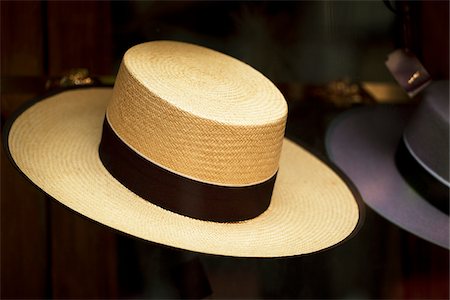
(24, 237)
(79, 36)
(47, 251)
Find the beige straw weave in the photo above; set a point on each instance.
(203, 115)
(55, 144)
(199, 113)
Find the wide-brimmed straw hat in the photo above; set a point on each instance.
(187, 150)
(398, 159)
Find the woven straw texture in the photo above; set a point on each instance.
(55, 144)
(199, 113)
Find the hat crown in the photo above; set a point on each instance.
(427, 133)
(198, 113)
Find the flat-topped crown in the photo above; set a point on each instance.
(206, 83)
(199, 113)
(427, 133)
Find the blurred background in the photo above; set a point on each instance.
(325, 56)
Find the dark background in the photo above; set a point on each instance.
(47, 251)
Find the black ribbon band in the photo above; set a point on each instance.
(177, 193)
(420, 179)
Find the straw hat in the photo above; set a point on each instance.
(191, 154)
(399, 161)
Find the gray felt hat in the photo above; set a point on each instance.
(398, 158)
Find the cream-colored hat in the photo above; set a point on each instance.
(191, 154)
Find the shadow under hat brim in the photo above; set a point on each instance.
(54, 143)
(362, 143)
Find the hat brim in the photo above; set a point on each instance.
(363, 143)
(54, 143)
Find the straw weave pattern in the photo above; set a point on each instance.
(198, 113)
(55, 144)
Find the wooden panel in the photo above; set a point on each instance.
(434, 38)
(23, 232)
(47, 250)
(23, 209)
(83, 257)
(22, 39)
(79, 35)
(83, 252)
